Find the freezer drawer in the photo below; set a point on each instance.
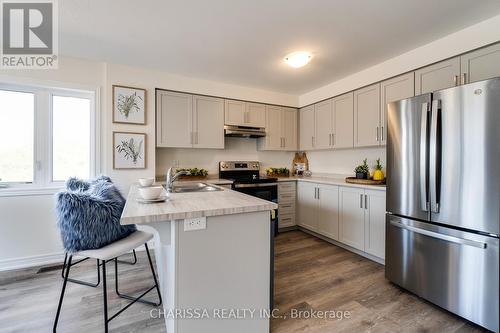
(456, 270)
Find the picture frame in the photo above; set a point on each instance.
(129, 150)
(129, 105)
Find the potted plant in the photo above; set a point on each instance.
(378, 174)
(194, 174)
(278, 172)
(362, 170)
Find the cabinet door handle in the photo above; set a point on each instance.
(361, 201)
(317, 188)
(382, 133)
(377, 134)
(312, 141)
(464, 78)
(366, 201)
(284, 142)
(333, 139)
(455, 80)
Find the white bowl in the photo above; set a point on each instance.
(150, 193)
(146, 181)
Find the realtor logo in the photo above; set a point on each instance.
(29, 34)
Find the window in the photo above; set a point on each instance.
(46, 136)
(16, 136)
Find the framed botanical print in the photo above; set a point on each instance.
(129, 150)
(129, 105)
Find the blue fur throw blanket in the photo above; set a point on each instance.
(88, 214)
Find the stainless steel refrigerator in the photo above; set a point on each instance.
(443, 199)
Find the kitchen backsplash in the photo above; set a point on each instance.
(235, 149)
(328, 161)
(343, 161)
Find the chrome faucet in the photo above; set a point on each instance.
(171, 177)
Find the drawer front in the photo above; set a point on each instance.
(287, 187)
(286, 207)
(286, 220)
(286, 197)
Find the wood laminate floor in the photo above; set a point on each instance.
(311, 274)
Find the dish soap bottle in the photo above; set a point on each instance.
(378, 174)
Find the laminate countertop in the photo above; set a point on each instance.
(191, 205)
(330, 180)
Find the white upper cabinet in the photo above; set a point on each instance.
(239, 113)
(367, 116)
(391, 90)
(343, 121)
(323, 124)
(208, 122)
(290, 130)
(274, 138)
(307, 128)
(444, 74)
(174, 124)
(480, 65)
(235, 113)
(281, 129)
(255, 115)
(189, 121)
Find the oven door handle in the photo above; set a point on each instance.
(255, 185)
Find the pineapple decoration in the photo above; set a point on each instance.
(378, 174)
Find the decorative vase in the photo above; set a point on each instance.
(378, 175)
(361, 175)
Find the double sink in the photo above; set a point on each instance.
(195, 187)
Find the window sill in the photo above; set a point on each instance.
(32, 191)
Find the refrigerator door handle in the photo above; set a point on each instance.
(437, 235)
(435, 156)
(424, 193)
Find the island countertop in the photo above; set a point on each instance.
(191, 205)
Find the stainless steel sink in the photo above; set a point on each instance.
(195, 187)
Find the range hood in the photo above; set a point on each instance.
(244, 131)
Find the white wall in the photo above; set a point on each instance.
(475, 36)
(235, 149)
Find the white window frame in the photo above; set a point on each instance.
(43, 139)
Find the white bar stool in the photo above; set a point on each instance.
(105, 254)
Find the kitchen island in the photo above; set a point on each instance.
(214, 277)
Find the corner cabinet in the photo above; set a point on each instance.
(307, 128)
(281, 129)
(189, 121)
(318, 208)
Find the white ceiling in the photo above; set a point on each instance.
(244, 41)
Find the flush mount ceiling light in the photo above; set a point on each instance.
(298, 59)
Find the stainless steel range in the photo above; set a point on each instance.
(246, 179)
(443, 199)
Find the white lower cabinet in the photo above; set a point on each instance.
(328, 211)
(350, 215)
(307, 205)
(375, 223)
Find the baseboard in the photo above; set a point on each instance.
(344, 246)
(43, 260)
(33, 261)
